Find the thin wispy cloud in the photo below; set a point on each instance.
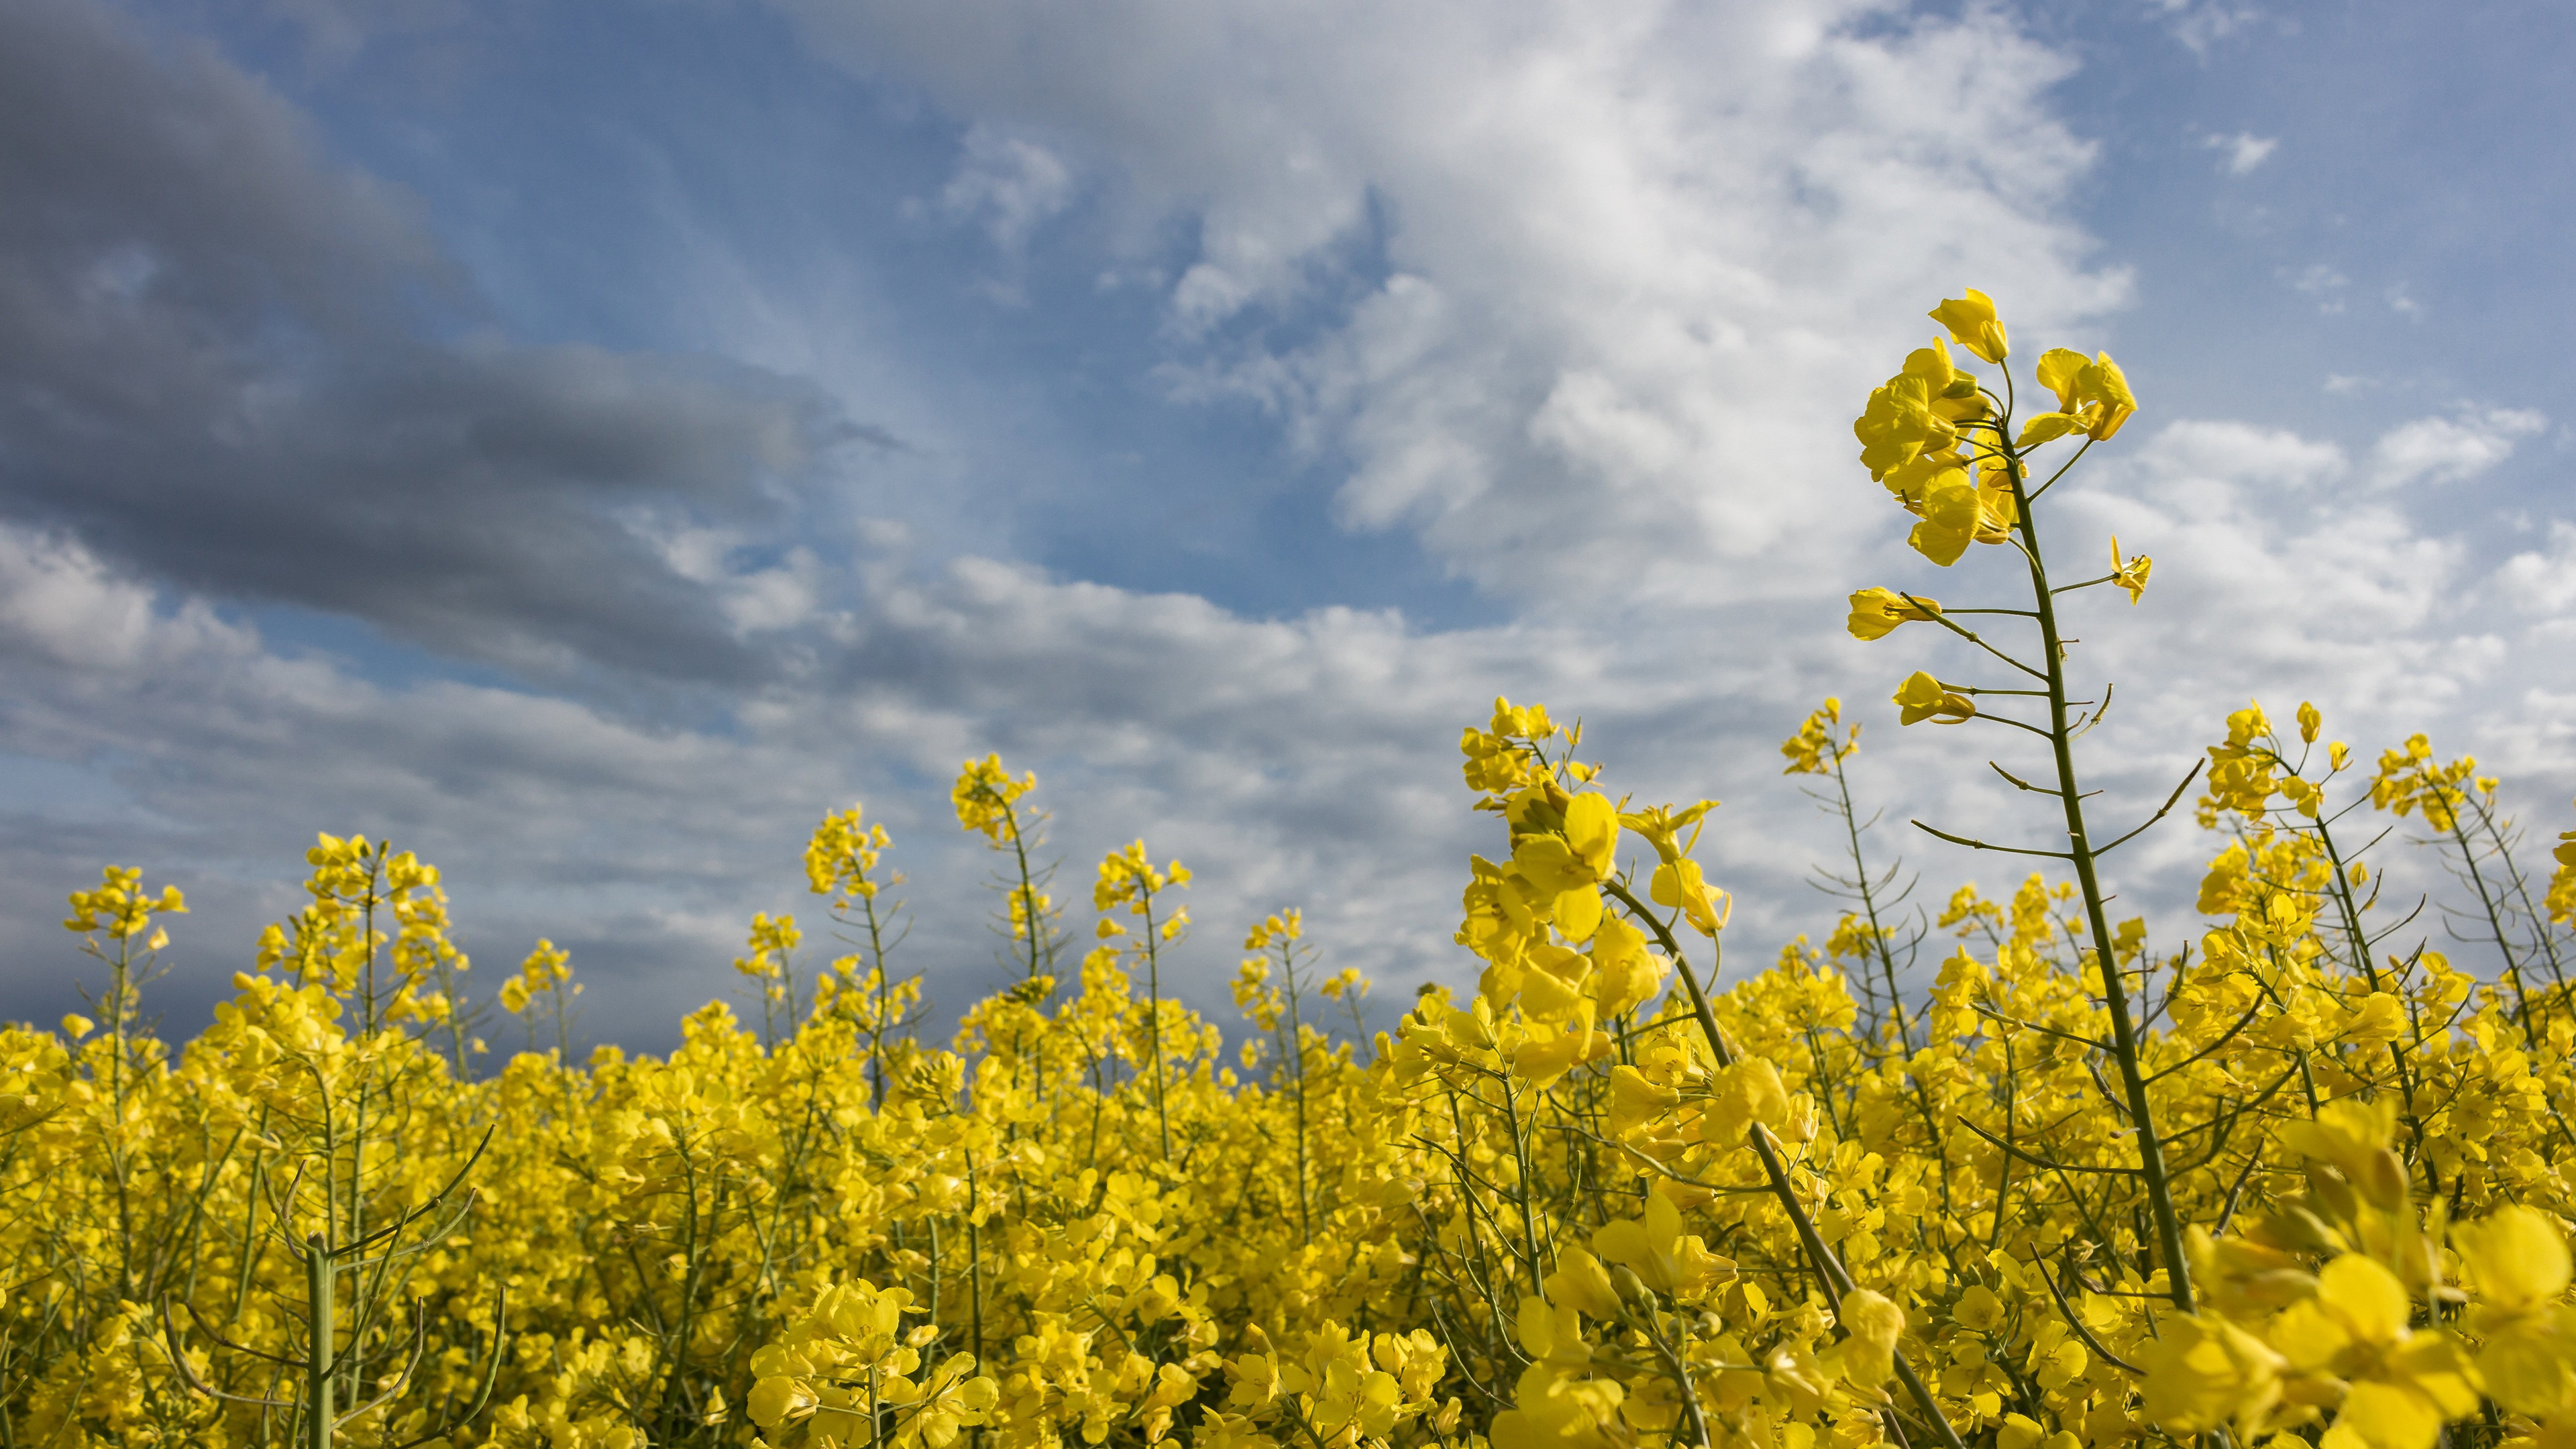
(2239, 154)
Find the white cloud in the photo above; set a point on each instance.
(59, 602)
(2242, 152)
(1638, 265)
(2543, 581)
(2201, 24)
(2452, 449)
(1009, 183)
(753, 600)
(2194, 454)
(767, 600)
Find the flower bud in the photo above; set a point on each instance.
(1632, 1289)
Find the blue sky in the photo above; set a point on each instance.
(587, 444)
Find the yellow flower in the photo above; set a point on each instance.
(2354, 1135)
(2518, 1257)
(1663, 1257)
(2518, 1261)
(1978, 1308)
(2404, 1384)
(1636, 1101)
(1952, 513)
(1552, 990)
(1550, 1052)
(2093, 395)
(2132, 575)
(2204, 1372)
(1592, 830)
(1900, 424)
(1625, 975)
(1820, 741)
(1256, 1381)
(1580, 1280)
(1874, 1324)
(1748, 1092)
(1922, 697)
(2108, 401)
(1679, 883)
(1876, 612)
(1661, 825)
(1973, 324)
(983, 797)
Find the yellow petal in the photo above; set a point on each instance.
(1950, 501)
(2107, 391)
(1663, 1220)
(2047, 428)
(2058, 367)
(2387, 1416)
(1578, 912)
(1980, 1309)
(2517, 1255)
(1592, 830)
(2525, 1371)
(1942, 546)
(1973, 324)
(1581, 1281)
(2365, 1298)
(1875, 1323)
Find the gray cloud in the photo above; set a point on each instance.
(1306, 762)
(215, 362)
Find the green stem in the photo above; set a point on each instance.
(1154, 1012)
(2495, 925)
(318, 1364)
(2115, 997)
(974, 1261)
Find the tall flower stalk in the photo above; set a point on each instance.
(1946, 446)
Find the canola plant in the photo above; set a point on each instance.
(2300, 1179)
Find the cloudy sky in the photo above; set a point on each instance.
(585, 444)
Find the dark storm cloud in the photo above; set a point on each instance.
(216, 365)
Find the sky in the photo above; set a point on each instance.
(586, 444)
